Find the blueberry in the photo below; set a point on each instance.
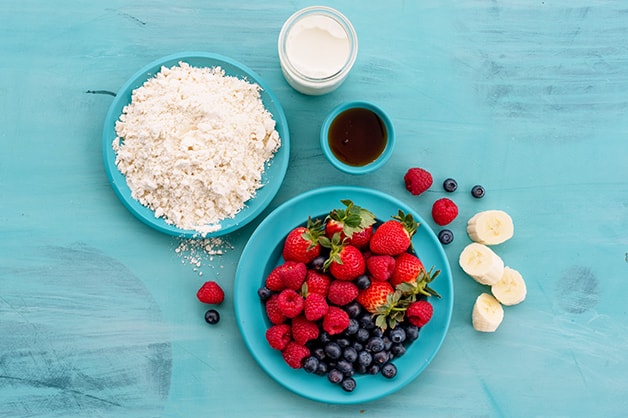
(324, 337)
(398, 350)
(322, 369)
(381, 357)
(445, 236)
(365, 358)
(319, 353)
(397, 335)
(317, 263)
(387, 343)
(366, 321)
(333, 350)
(358, 346)
(353, 309)
(349, 384)
(212, 316)
(362, 335)
(373, 369)
(353, 327)
(389, 370)
(343, 342)
(375, 344)
(345, 367)
(450, 185)
(377, 332)
(311, 364)
(412, 332)
(264, 293)
(362, 282)
(477, 191)
(350, 354)
(335, 376)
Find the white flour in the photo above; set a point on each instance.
(193, 144)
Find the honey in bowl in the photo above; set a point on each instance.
(357, 136)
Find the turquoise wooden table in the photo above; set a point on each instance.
(98, 315)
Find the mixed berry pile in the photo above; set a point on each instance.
(349, 296)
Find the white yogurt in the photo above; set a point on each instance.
(317, 48)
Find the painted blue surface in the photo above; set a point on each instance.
(97, 311)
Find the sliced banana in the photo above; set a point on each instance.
(481, 263)
(487, 314)
(490, 227)
(511, 288)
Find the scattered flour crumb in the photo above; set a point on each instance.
(201, 252)
(193, 145)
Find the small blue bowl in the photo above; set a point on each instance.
(368, 166)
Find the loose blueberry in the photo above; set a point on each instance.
(212, 317)
(389, 370)
(349, 384)
(362, 282)
(445, 236)
(450, 185)
(477, 191)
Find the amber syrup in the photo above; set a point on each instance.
(357, 136)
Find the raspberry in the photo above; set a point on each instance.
(315, 306)
(380, 267)
(417, 180)
(275, 316)
(295, 354)
(303, 330)
(444, 211)
(274, 282)
(211, 293)
(317, 282)
(335, 321)
(292, 274)
(342, 292)
(278, 336)
(290, 303)
(419, 313)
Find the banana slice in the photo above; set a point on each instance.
(487, 314)
(481, 263)
(511, 288)
(490, 227)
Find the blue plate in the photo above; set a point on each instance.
(271, 179)
(263, 252)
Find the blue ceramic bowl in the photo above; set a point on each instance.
(370, 166)
(271, 178)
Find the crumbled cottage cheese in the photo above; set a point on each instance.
(193, 144)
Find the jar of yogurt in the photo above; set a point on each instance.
(317, 48)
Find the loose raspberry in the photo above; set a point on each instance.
(342, 292)
(317, 282)
(293, 274)
(444, 211)
(278, 336)
(295, 354)
(290, 303)
(419, 313)
(380, 267)
(417, 180)
(211, 293)
(274, 314)
(303, 330)
(315, 306)
(274, 282)
(336, 320)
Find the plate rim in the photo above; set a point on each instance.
(342, 397)
(117, 179)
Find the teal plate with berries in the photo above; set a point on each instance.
(262, 253)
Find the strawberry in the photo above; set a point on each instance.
(303, 330)
(302, 244)
(278, 336)
(348, 221)
(407, 269)
(417, 180)
(380, 267)
(394, 236)
(419, 313)
(444, 211)
(290, 303)
(342, 292)
(211, 293)
(335, 321)
(274, 314)
(361, 238)
(375, 296)
(345, 262)
(317, 282)
(292, 274)
(315, 306)
(295, 354)
(273, 280)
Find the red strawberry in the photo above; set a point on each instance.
(274, 314)
(407, 269)
(273, 280)
(345, 262)
(444, 211)
(315, 306)
(302, 242)
(317, 282)
(335, 321)
(417, 180)
(375, 296)
(303, 330)
(278, 336)
(292, 274)
(420, 312)
(290, 303)
(361, 238)
(348, 221)
(295, 354)
(342, 292)
(380, 267)
(394, 236)
(211, 293)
